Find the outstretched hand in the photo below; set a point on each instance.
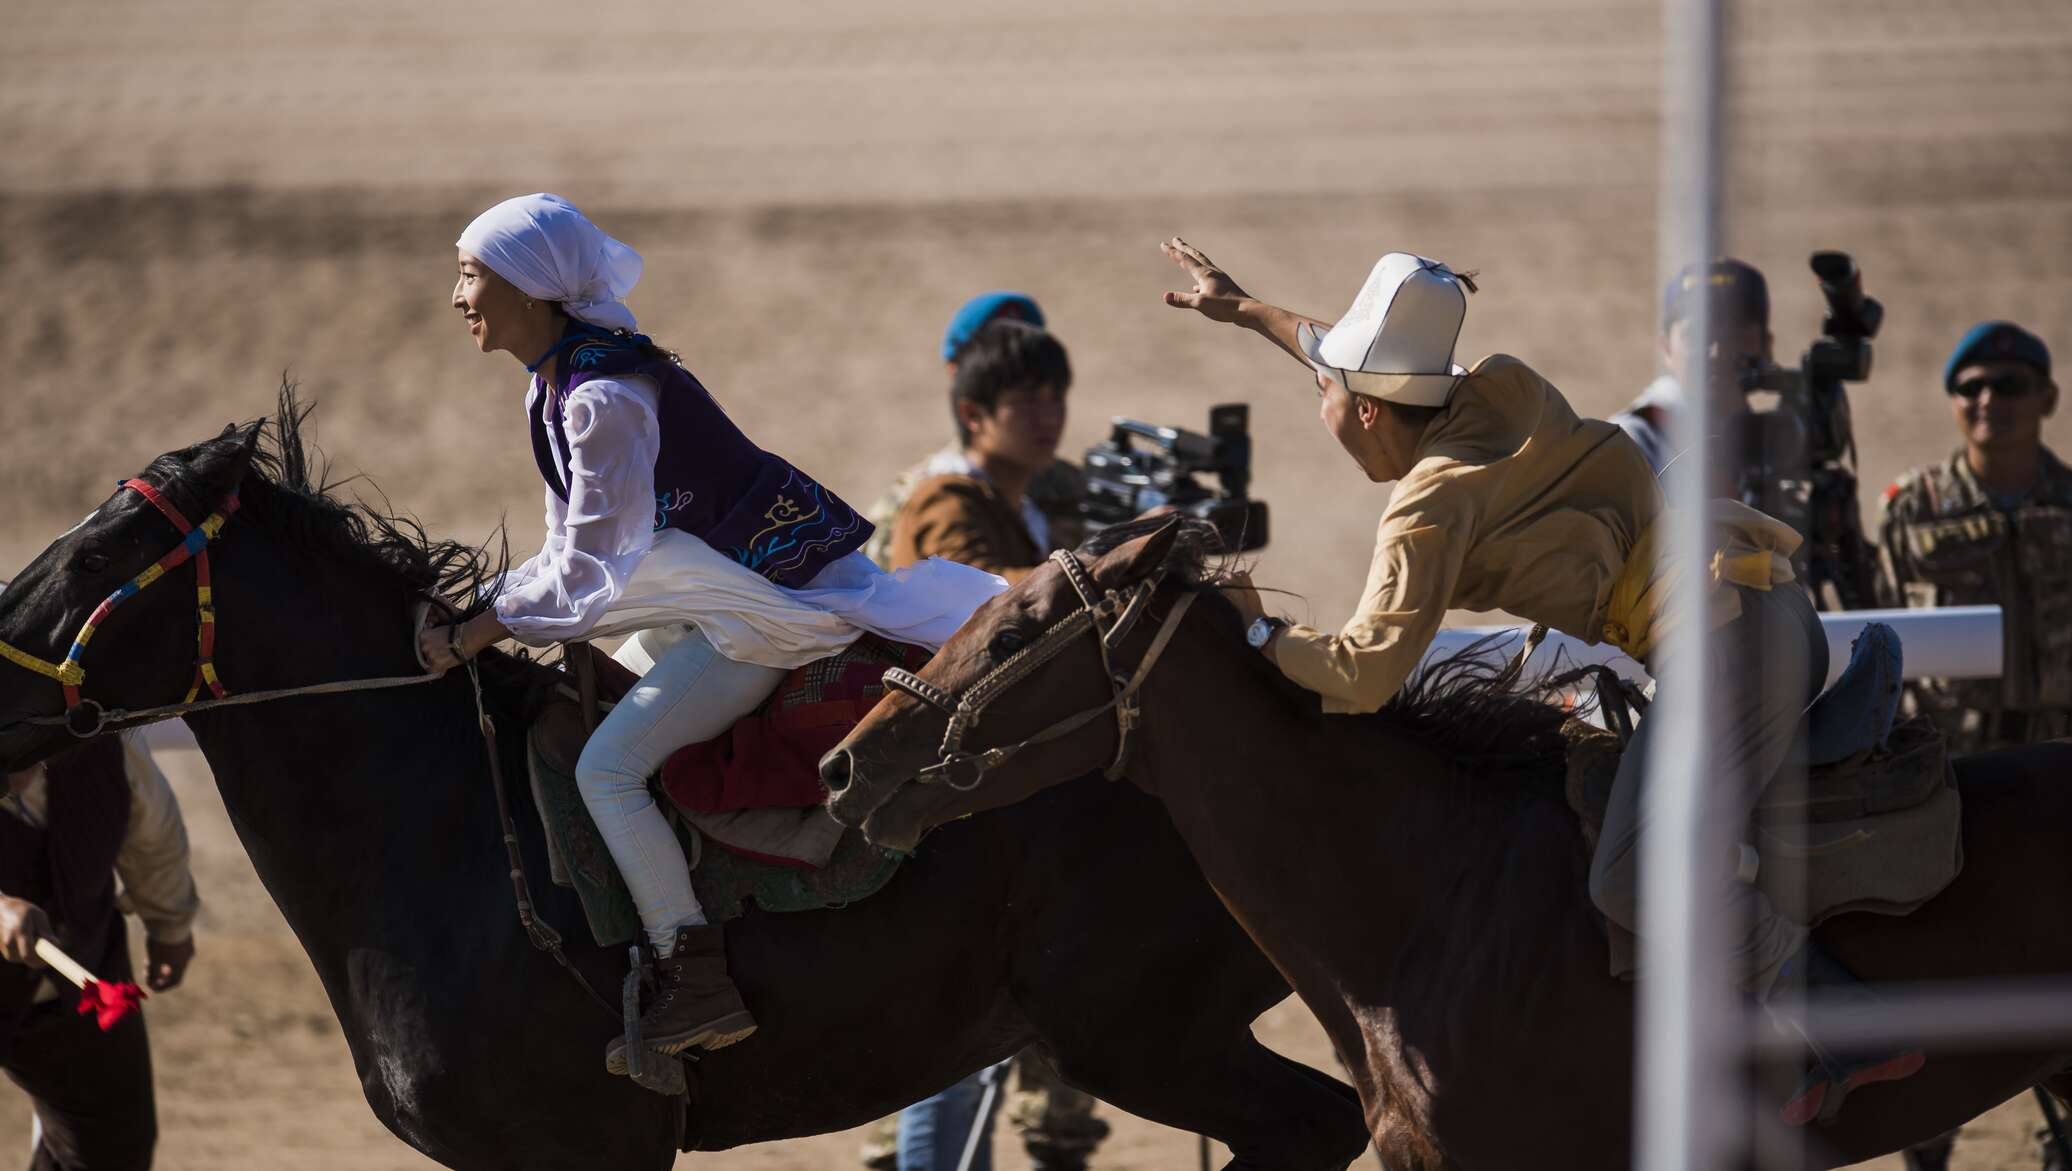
(1214, 295)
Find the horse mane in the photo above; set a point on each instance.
(1461, 705)
(288, 489)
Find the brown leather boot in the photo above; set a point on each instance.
(694, 1002)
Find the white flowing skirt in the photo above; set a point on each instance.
(683, 581)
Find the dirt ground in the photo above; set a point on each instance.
(199, 195)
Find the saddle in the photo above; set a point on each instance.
(1865, 816)
(753, 794)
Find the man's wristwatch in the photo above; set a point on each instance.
(1262, 631)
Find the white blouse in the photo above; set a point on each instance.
(605, 569)
(598, 536)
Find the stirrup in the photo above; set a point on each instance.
(1819, 1098)
(1833, 1078)
(650, 1069)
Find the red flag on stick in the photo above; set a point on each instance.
(107, 1001)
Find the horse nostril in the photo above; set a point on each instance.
(835, 770)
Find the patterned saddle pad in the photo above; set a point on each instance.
(715, 784)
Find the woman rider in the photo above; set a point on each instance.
(660, 511)
(1505, 500)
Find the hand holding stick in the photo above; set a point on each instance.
(106, 1001)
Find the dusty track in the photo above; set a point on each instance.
(198, 196)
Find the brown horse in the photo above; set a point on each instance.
(1423, 892)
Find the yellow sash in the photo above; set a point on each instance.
(1750, 549)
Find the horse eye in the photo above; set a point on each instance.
(93, 562)
(1007, 642)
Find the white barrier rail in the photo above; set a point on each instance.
(1956, 642)
(1976, 1014)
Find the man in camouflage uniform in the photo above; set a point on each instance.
(1992, 525)
(1055, 1121)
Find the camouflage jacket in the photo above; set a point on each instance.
(1946, 542)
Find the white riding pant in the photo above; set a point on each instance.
(692, 694)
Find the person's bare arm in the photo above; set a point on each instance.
(1217, 297)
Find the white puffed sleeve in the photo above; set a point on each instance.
(600, 534)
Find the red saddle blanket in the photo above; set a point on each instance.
(771, 758)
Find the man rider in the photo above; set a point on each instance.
(1506, 500)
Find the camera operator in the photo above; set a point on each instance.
(1008, 403)
(1781, 437)
(1740, 304)
(1052, 499)
(1992, 524)
(972, 503)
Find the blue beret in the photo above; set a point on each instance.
(1736, 289)
(982, 309)
(1996, 341)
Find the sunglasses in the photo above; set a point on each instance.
(2004, 386)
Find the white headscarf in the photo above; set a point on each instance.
(552, 252)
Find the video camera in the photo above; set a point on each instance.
(1798, 457)
(1125, 481)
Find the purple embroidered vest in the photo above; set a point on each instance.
(711, 481)
(67, 867)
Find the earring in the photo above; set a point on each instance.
(528, 302)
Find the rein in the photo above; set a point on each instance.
(1110, 616)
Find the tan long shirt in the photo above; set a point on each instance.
(1513, 503)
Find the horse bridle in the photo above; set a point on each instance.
(86, 718)
(1110, 615)
(70, 672)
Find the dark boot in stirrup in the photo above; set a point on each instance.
(695, 1003)
(1834, 1075)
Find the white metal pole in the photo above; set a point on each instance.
(1953, 642)
(1679, 1090)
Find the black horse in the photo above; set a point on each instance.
(1078, 923)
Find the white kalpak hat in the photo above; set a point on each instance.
(1396, 342)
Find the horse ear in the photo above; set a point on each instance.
(226, 457)
(1138, 559)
